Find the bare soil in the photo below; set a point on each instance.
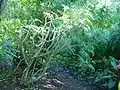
(56, 78)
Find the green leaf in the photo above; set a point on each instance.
(113, 62)
(110, 84)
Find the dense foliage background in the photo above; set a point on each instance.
(82, 35)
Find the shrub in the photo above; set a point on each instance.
(38, 45)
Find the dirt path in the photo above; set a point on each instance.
(61, 79)
(56, 78)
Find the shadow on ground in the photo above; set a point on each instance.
(56, 78)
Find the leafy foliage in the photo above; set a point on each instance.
(83, 35)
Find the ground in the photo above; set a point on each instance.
(56, 78)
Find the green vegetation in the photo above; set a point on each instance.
(82, 35)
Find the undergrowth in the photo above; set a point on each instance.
(81, 34)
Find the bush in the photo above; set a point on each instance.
(81, 34)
